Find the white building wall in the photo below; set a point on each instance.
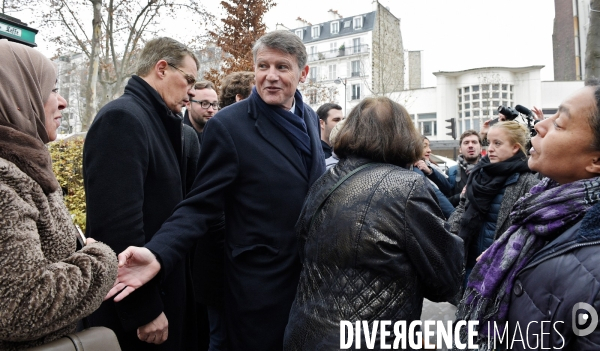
(553, 93)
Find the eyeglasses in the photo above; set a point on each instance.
(189, 78)
(205, 104)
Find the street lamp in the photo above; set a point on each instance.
(338, 81)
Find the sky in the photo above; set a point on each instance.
(453, 35)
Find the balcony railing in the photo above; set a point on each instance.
(348, 51)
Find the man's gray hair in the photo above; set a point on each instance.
(163, 48)
(282, 40)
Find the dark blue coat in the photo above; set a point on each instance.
(250, 171)
(563, 273)
(135, 165)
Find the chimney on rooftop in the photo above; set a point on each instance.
(335, 15)
(301, 22)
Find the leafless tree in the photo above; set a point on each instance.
(115, 37)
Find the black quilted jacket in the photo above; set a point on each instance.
(377, 247)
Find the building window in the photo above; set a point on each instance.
(312, 74)
(356, 44)
(467, 97)
(495, 86)
(358, 22)
(355, 91)
(427, 128)
(312, 96)
(355, 68)
(316, 31)
(466, 89)
(427, 124)
(467, 106)
(335, 27)
(485, 87)
(312, 53)
(299, 33)
(476, 113)
(485, 95)
(504, 86)
(332, 72)
(333, 48)
(475, 87)
(475, 96)
(495, 95)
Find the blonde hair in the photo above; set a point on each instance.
(517, 133)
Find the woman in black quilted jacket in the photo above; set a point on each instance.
(376, 244)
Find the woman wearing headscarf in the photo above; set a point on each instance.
(542, 276)
(493, 187)
(372, 239)
(46, 286)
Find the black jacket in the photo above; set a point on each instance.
(254, 175)
(457, 177)
(377, 247)
(563, 273)
(134, 165)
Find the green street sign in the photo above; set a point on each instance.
(15, 30)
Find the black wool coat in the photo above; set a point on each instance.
(134, 164)
(250, 171)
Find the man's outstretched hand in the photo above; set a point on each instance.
(137, 266)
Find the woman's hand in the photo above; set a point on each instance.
(538, 114)
(423, 167)
(485, 128)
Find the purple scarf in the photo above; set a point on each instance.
(540, 216)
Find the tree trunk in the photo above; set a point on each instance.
(91, 91)
(592, 52)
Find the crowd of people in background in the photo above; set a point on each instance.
(244, 220)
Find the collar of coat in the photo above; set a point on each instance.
(30, 155)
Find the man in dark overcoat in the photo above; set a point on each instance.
(135, 160)
(265, 153)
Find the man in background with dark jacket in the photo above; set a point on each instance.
(134, 165)
(329, 115)
(202, 107)
(470, 154)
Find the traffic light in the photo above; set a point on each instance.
(452, 128)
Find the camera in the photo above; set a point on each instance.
(508, 112)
